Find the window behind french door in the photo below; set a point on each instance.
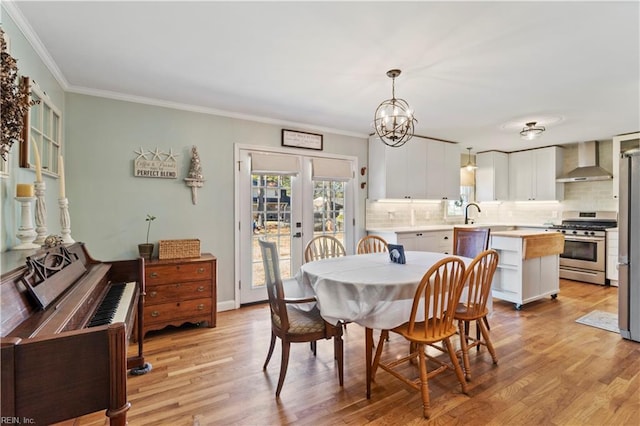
(288, 199)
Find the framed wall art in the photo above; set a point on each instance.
(296, 139)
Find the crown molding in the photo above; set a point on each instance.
(26, 29)
(28, 32)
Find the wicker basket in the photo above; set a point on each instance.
(178, 249)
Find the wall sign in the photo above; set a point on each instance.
(301, 139)
(155, 164)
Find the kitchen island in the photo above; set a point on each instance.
(529, 265)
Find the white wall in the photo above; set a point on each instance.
(29, 64)
(108, 205)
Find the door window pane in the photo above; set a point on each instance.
(271, 214)
(328, 209)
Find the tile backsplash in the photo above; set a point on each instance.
(582, 196)
(386, 214)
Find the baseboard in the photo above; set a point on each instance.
(226, 305)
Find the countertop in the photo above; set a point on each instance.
(520, 233)
(534, 243)
(419, 228)
(447, 227)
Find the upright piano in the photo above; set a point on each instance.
(66, 322)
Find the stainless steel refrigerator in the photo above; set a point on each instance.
(629, 246)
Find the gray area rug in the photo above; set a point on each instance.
(600, 319)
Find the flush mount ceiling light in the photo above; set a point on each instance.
(470, 166)
(394, 119)
(531, 131)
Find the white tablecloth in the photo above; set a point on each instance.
(367, 289)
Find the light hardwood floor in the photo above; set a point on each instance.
(551, 371)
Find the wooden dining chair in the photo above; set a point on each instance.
(477, 280)
(323, 247)
(470, 242)
(371, 244)
(440, 287)
(294, 325)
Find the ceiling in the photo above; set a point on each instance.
(473, 72)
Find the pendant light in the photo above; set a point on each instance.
(394, 119)
(470, 166)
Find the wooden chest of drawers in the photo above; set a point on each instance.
(180, 291)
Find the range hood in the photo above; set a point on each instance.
(588, 168)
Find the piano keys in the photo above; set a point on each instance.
(59, 361)
(114, 306)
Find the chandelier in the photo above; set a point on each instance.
(394, 119)
(531, 131)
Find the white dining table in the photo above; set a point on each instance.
(367, 289)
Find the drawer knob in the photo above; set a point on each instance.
(201, 307)
(153, 294)
(155, 314)
(178, 284)
(201, 289)
(200, 270)
(154, 275)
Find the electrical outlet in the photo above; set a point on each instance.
(554, 214)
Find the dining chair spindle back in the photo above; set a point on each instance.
(438, 291)
(470, 242)
(323, 247)
(371, 244)
(478, 276)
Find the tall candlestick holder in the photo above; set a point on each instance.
(41, 213)
(26, 234)
(65, 221)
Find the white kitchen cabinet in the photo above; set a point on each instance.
(443, 171)
(397, 172)
(612, 257)
(440, 241)
(522, 277)
(492, 176)
(533, 173)
(420, 169)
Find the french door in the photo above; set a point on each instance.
(287, 199)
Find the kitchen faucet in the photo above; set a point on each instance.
(466, 211)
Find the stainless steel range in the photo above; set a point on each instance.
(584, 256)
